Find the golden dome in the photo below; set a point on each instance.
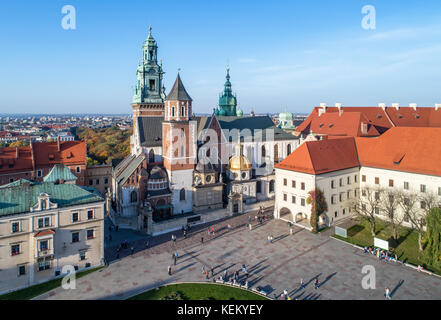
(239, 163)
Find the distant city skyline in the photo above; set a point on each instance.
(289, 55)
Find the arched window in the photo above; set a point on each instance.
(152, 156)
(133, 197)
(271, 186)
(182, 195)
(276, 153)
(288, 152)
(182, 133)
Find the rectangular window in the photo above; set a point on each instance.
(285, 182)
(439, 191)
(377, 210)
(89, 214)
(90, 234)
(15, 249)
(97, 181)
(83, 255)
(423, 188)
(363, 178)
(47, 221)
(293, 183)
(377, 195)
(75, 237)
(78, 169)
(344, 211)
(90, 182)
(40, 223)
(293, 199)
(423, 205)
(333, 184)
(377, 180)
(302, 186)
(406, 185)
(336, 214)
(363, 192)
(355, 193)
(106, 180)
(341, 182)
(302, 202)
(45, 265)
(341, 196)
(333, 199)
(44, 245)
(391, 183)
(355, 178)
(21, 270)
(15, 227)
(349, 180)
(284, 197)
(39, 173)
(75, 217)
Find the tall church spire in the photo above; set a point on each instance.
(149, 74)
(227, 100)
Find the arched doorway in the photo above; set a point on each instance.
(299, 217)
(285, 214)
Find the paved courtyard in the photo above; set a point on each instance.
(276, 266)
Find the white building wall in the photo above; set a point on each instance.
(415, 180)
(178, 180)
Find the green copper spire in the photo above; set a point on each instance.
(227, 100)
(149, 88)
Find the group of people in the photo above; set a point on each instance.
(381, 254)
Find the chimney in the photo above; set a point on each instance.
(413, 106)
(338, 106)
(17, 152)
(322, 108)
(396, 106)
(31, 147)
(382, 106)
(58, 143)
(437, 106)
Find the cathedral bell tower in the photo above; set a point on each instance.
(148, 98)
(179, 146)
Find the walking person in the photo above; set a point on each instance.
(387, 293)
(285, 293)
(169, 270)
(212, 271)
(302, 283)
(202, 240)
(317, 283)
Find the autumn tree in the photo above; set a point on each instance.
(388, 206)
(318, 207)
(368, 205)
(408, 202)
(432, 252)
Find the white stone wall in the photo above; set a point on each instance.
(180, 179)
(432, 183)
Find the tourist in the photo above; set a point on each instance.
(302, 284)
(387, 293)
(202, 240)
(212, 271)
(282, 296)
(212, 231)
(317, 283)
(169, 270)
(206, 274)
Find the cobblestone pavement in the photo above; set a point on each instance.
(275, 266)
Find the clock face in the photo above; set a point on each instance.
(208, 178)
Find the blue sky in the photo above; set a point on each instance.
(282, 54)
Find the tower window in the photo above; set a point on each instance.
(152, 84)
(182, 195)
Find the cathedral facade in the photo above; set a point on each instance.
(182, 164)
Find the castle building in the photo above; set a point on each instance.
(45, 226)
(176, 170)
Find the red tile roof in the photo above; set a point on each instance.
(71, 153)
(406, 149)
(317, 157)
(410, 149)
(45, 153)
(379, 120)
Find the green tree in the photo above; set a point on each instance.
(368, 205)
(318, 207)
(432, 252)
